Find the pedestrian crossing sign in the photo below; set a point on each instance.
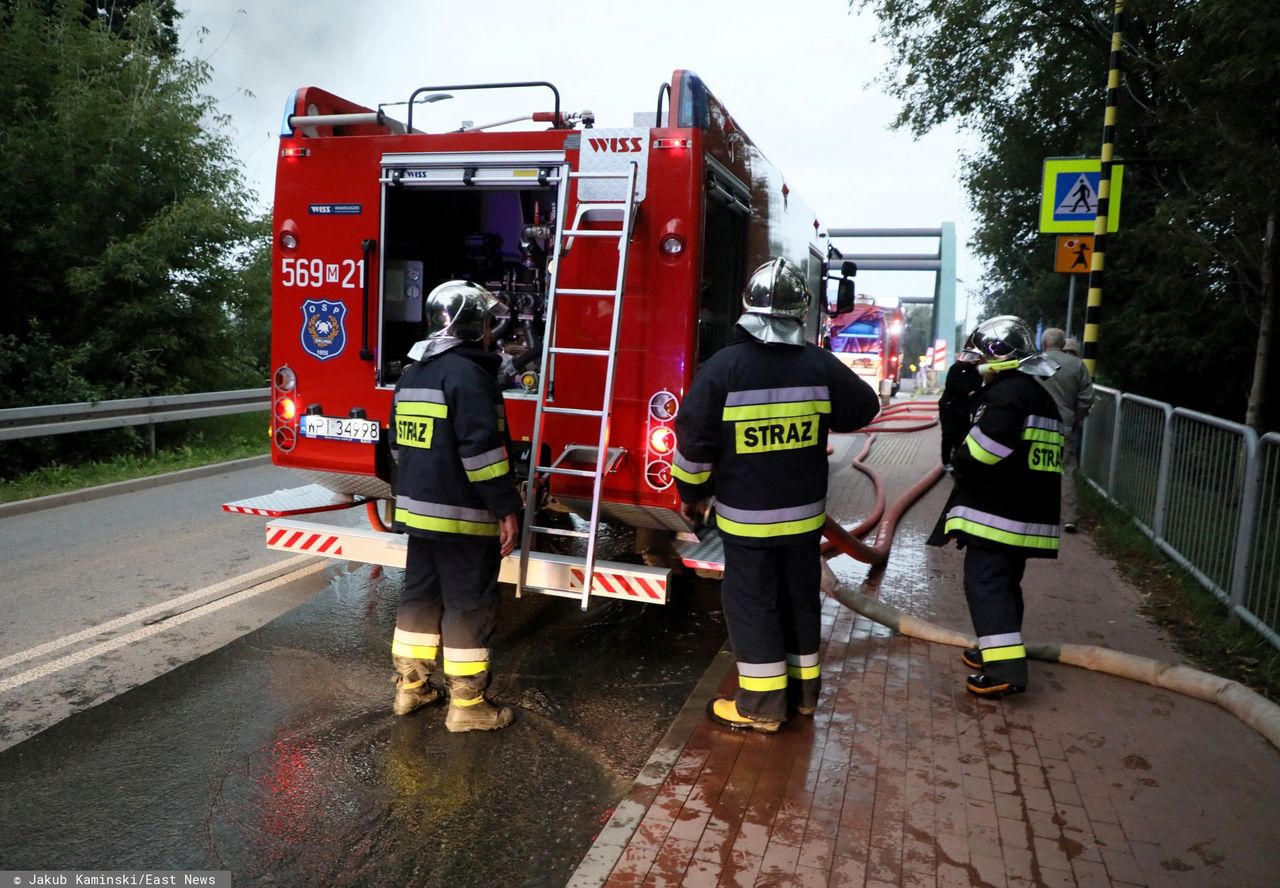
(1069, 195)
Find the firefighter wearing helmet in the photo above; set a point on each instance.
(456, 498)
(752, 435)
(1004, 507)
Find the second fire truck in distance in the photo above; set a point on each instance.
(619, 255)
(868, 339)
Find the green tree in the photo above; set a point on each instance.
(115, 15)
(130, 262)
(123, 217)
(1187, 294)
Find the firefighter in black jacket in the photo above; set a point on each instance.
(1004, 507)
(753, 431)
(457, 500)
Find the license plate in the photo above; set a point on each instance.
(334, 428)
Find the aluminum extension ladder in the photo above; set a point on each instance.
(622, 210)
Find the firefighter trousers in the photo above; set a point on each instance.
(450, 599)
(993, 589)
(773, 607)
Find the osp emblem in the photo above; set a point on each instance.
(323, 334)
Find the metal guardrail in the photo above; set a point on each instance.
(1204, 489)
(61, 419)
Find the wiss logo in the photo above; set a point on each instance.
(617, 146)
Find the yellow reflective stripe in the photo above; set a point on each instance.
(981, 455)
(446, 525)
(774, 411)
(804, 672)
(455, 700)
(465, 667)
(781, 528)
(690, 477)
(997, 366)
(421, 408)
(494, 470)
(1043, 435)
(1009, 538)
(1012, 652)
(772, 683)
(410, 685)
(413, 651)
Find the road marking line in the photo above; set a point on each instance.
(112, 644)
(140, 615)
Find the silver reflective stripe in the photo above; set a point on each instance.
(690, 466)
(496, 455)
(989, 444)
(802, 659)
(995, 641)
(434, 396)
(438, 510)
(778, 395)
(771, 516)
(986, 518)
(426, 639)
(466, 655)
(1043, 422)
(761, 670)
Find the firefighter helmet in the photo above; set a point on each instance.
(777, 288)
(775, 302)
(1002, 339)
(459, 309)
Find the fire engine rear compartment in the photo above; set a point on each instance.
(435, 234)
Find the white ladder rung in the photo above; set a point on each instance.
(591, 232)
(577, 473)
(573, 411)
(589, 352)
(560, 532)
(579, 292)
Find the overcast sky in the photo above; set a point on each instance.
(797, 76)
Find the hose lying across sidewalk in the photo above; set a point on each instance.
(1247, 705)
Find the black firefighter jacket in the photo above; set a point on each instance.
(753, 431)
(1008, 471)
(448, 437)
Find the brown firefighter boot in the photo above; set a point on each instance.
(412, 688)
(470, 711)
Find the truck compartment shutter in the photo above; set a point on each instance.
(477, 169)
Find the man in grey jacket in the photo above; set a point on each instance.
(1072, 391)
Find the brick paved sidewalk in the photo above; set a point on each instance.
(904, 779)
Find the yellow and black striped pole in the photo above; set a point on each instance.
(1093, 310)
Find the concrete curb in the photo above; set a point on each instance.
(596, 865)
(54, 500)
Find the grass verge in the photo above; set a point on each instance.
(1199, 625)
(202, 442)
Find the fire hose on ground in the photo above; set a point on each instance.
(1250, 707)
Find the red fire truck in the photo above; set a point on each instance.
(619, 256)
(868, 339)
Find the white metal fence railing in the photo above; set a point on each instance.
(1206, 490)
(60, 419)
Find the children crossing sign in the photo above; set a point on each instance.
(1069, 195)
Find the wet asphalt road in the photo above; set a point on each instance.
(276, 757)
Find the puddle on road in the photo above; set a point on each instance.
(276, 757)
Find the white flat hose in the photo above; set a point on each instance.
(1250, 707)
